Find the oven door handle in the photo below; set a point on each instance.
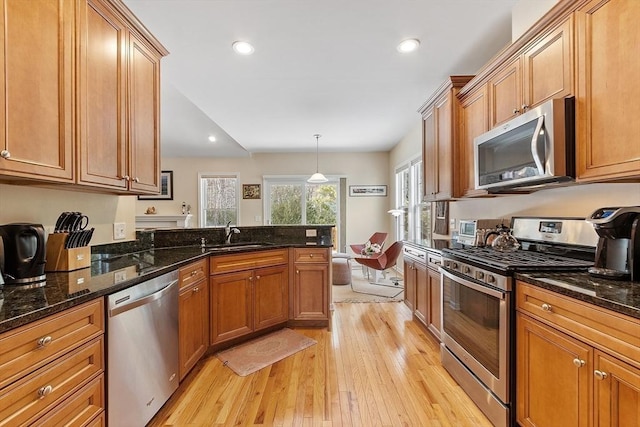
(484, 289)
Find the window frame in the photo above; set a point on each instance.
(206, 175)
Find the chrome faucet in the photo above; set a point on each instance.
(228, 231)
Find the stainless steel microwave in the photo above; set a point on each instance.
(533, 149)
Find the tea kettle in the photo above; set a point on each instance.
(503, 240)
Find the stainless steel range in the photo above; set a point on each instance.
(478, 313)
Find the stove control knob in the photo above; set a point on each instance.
(467, 269)
(480, 275)
(454, 265)
(491, 278)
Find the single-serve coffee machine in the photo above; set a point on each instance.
(618, 250)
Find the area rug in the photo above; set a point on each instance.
(247, 358)
(361, 290)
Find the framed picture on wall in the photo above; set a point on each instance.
(367, 190)
(166, 188)
(250, 191)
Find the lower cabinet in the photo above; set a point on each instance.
(311, 285)
(248, 300)
(577, 364)
(434, 299)
(422, 279)
(52, 370)
(421, 310)
(193, 315)
(409, 284)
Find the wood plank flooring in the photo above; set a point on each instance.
(377, 367)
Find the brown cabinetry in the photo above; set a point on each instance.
(576, 356)
(310, 293)
(93, 117)
(474, 121)
(543, 71)
(434, 295)
(607, 70)
(36, 114)
(440, 136)
(52, 371)
(193, 314)
(422, 276)
(409, 283)
(247, 292)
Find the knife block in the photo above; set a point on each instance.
(61, 259)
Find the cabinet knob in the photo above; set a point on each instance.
(44, 391)
(524, 107)
(196, 289)
(578, 362)
(44, 341)
(516, 111)
(297, 271)
(546, 307)
(5, 154)
(257, 277)
(136, 179)
(194, 272)
(126, 178)
(599, 374)
(310, 255)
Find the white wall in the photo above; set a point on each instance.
(20, 203)
(365, 214)
(525, 13)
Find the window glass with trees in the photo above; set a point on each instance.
(293, 201)
(218, 200)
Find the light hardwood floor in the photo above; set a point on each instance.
(376, 367)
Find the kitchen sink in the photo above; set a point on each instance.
(236, 247)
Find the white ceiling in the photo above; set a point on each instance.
(320, 66)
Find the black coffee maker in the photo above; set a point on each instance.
(618, 250)
(24, 253)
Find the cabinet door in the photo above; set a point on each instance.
(230, 303)
(409, 285)
(36, 111)
(144, 117)
(606, 115)
(616, 392)
(505, 93)
(434, 298)
(422, 302)
(193, 325)
(311, 292)
(553, 376)
(548, 67)
(429, 155)
(271, 296)
(102, 70)
(445, 147)
(474, 122)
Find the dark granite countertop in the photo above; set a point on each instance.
(615, 295)
(108, 273)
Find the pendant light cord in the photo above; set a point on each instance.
(317, 135)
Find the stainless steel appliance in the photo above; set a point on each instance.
(618, 251)
(142, 356)
(478, 311)
(24, 253)
(468, 229)
(535, 148)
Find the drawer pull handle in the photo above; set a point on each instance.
(44, 391)
(600, 375)
(44, 341)
(547, 307)
(578, 362)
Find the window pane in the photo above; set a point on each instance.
(322, 204)
(219, 201)
(286, 204)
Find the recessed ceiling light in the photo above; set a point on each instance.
(408, 45)
(242, 48)
(212, 138)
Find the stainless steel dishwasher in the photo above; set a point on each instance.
(142, 350)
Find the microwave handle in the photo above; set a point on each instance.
(535, 146)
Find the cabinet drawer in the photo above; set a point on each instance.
(80, 409)
(310, 255)
(246, 261)
(599, 327)
(192, 273)
(29, 347)
(26, 400)
(434, 261)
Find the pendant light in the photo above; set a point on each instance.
(317, 177)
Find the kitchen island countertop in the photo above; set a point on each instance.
(108, 274)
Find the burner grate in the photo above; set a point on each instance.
(516, 260)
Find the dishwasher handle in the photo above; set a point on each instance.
(142, 301)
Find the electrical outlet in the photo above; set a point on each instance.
(257, 218)
(452, 223)
(119, 230)
(119, 276)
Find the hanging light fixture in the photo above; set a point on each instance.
(317, 177)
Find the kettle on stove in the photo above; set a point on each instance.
(502, 240)
(24, 253)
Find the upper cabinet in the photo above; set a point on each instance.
(102, 125)
(440, 155)
(544, 70)
(36, 112)
(608, 68)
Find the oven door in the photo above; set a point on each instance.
(475, 324)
